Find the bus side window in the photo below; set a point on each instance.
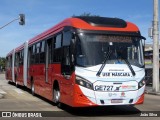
(42, 52)
(66, 60)
(29, 56)
(21, 57)
(58, 41)
(37, 48)
(58, 48)
(67, 38)
(17, 59)
(32, 54)
(7, 62)
(10, 61)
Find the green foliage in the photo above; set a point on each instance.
(2, 62)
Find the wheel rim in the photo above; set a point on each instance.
(32, 88)
(16, 83)
(56, 96)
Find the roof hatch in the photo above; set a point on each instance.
(103, 21)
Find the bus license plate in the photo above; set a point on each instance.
(104, 87)
(116, 101)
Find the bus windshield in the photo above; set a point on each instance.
(92, 49)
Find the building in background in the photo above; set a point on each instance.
(149, 62)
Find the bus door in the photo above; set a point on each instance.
(16, 66)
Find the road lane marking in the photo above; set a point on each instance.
(18, 91)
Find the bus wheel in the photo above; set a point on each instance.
(32, 88)
(56, 95)
(16, 84)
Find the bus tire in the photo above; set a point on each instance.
(16, 83)
(56, 94)
(32, 88)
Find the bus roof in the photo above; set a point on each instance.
(87, 23)
(90, 23)
(10, 53)
(16, 50)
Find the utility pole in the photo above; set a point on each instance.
(155, 48)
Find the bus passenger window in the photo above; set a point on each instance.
(17, 59)
(34, 49)
(66, 55)
(32, 54)
(42, 53)
(21, 57)
(38, 48)
(37, 52)
(42, 46)
(66, 66)
(58, 41)
(67, 36)
(57, 52)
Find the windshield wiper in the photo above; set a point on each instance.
(105, 60)
(103, 63)
(129, 65)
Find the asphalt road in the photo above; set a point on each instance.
(20, 99)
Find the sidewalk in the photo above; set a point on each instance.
(2, 93)
(1, 96)
(148, 78)
(150, 91)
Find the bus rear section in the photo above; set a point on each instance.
(8, 73)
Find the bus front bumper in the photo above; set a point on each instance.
(84, 97)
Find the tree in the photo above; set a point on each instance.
(2, 63)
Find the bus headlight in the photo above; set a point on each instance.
(141, 83)
(83, 82)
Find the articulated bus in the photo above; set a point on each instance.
(82, 62)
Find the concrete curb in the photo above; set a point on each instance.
(152, 93)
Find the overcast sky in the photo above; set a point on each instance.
(43, 14)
